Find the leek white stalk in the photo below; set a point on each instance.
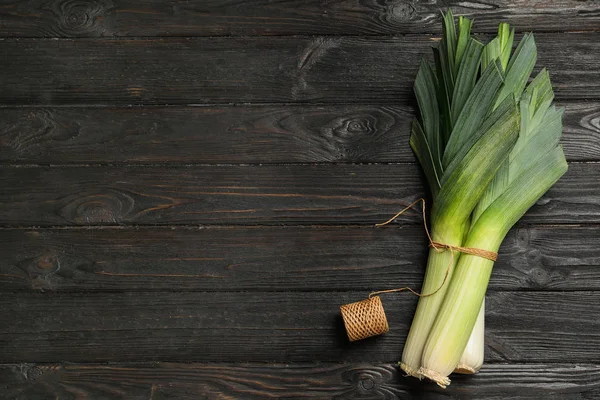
(472, 358)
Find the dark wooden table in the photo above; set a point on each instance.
(189, 191)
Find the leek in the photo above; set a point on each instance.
(489, 150)
(461, 141)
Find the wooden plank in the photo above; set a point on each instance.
(96, 18)
(315, 381)
(261, 195)
(219, 195)
(276, 258)
(275, 327)
(244, 134)
(581, 131)
(271, 134)
(252, 70)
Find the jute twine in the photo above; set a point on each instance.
(366, 318)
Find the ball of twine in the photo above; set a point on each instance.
(364, 318)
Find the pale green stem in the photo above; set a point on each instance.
(438, 264)
(458, 313)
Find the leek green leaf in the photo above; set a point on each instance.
(466, 77)
(464, 37)
(466, 178)
(443, 94)
(519, 68)
(426, 92)
(540, 131)
(450, 42)
(506, 38)
(419, 144)
(491, 53)
(475, 110)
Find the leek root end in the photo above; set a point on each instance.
(465, 369)
(438, 378)
(409, 371)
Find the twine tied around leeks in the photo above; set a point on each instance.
(367, 318)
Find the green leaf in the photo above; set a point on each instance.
(521, 194)
(443, 94)
(464, 37)
(450, 41)
(506, 37)
(540, 131)
(475, 165)
(537, 99)
(499, 48)
(426, 92)
(496, 187)
(491, 53)
(474, 112)
(519, 68)
(418, 142)
(466, 78)
(529, 149)
(508, 110)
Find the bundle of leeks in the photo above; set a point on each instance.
(489, 146)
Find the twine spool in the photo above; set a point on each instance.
(364, 318)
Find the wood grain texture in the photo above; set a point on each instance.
(274, 327)
(96, 18)
(316, 381)
(581, 131)
(244, 134)
(272, 134)
(252, 70)
(212, 194)
(258, 195)
(275, 259)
